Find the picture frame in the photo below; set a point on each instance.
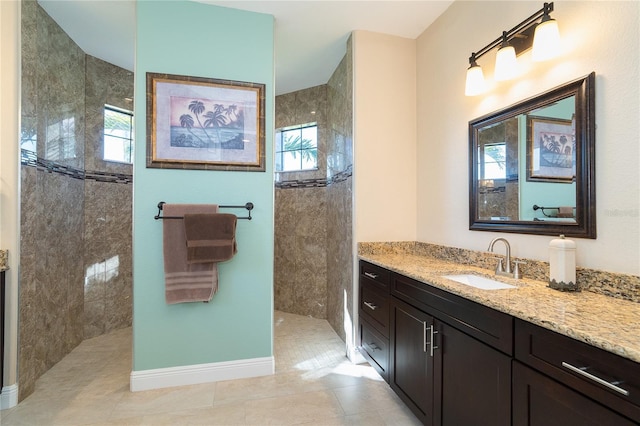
(205, 123)
(551, 150)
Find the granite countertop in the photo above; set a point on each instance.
(4, 260)
(605, 322)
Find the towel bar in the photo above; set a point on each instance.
(537, 207)
(248, 206)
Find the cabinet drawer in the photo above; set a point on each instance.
(485, 324)
(375, 348)
(541, 401)
(375, 275)
(596, 373)
(374, 306)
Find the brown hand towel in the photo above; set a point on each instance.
(210, 237)
(185, 282)
(565, 211)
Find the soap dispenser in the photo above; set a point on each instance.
(562, 264)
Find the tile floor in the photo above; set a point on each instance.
(314, 384)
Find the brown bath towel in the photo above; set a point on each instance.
(185, 282)
(210, 237)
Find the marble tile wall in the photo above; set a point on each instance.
(51, 294)
(313, 235)
(53, 216)
(300, 268)
(108, 208)
(108, 273)
(300, 263)
(339, 198)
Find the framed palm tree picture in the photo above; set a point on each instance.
(551, 150)
(205, 123)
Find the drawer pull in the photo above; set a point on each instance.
(371, 306)
(371, 275)
(373, 346)
(582, 371)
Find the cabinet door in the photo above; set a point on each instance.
(541, 401)
(412, 366)
(476, 381)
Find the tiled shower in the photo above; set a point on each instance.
(75, 267)
(76, 274)
(313, 235)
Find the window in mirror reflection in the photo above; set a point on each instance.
(493, 165)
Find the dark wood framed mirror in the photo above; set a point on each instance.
(532, 164)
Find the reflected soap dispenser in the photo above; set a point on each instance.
(562, 264)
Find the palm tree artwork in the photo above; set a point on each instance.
(557, 150)
(205, 123)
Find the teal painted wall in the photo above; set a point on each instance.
(188, 38)
(543, 193)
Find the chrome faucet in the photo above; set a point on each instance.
(506, 271)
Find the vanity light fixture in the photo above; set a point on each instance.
(511, 43)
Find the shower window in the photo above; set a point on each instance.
(297, 148)
(118, 135)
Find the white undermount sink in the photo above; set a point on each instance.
(478, 281)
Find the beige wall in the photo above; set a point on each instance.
(597, 36)
(384, 171)
(9, 160)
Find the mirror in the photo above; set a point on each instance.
(532, 165)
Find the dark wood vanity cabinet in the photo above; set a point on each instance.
(444, 352)
(561, 381)
(457, 362)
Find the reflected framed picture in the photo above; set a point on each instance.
(551, 150)
(205, 123)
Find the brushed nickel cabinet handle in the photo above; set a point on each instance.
(424, 336)
(371, 306)
(431, 342)
(582, 371)
(371, 275)
(374, 346)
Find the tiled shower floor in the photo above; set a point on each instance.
(314, 384)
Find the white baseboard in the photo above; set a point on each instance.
(9, 397)
(200, 373)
